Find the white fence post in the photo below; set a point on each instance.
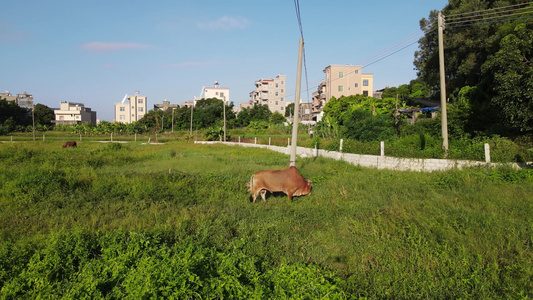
(80, 137)
(43, 137)
(239, 139)
(136, 137)
(382, 148)
(288, 142)
(111, 136)
(255, 142)
(340, 146)
(269, 141)
(487, 152)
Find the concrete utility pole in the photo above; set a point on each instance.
(444, 114)
(296, 106)
(224, 109)
(192, 107)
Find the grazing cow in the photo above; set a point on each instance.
(70, 144)
(288, 181)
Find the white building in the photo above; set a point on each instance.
(214, 92)
(74, 113)
(131, 108)
(271, 92)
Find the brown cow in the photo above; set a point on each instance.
(70, 144)
(288, 181)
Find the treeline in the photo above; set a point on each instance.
(207, 114)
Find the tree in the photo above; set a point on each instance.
(509, 78)
(277, 118)
(43, 115)
(289, 110)
(490, 55)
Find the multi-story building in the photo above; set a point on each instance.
(341, 80)
(131, 108)
(166, 105)
(347, 80)
(214, 92)
(23, 100)
(74, 113)
(271, 92)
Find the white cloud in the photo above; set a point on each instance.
(226, 23)
(106, 47)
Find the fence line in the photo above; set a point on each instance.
(378, 161)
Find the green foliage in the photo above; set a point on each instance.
(510, 77)
(277, 118)
(174, 221)
(494, 56)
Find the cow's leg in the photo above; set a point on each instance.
(289, 194)
(263, 194)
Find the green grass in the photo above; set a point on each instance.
(175, 220)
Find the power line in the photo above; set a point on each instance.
(499, 14)
(490, 9)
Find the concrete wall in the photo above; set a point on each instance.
(376, 161)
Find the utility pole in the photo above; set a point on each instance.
(192, 106)
(296, 106)
(444, 114)
(224, 106)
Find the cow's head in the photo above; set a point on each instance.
(305, 190)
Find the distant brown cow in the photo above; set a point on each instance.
(288, 181)
(70, 144)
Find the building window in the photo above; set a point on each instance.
(281, 98)
(140, 109)
(140, 101)
(282, 108)
(341, 74)
(133, 115)
(222, 94)
(356, 71)
(276, 94)
(277, 103)
(277, 85)
(341, 88)
(365, 93)
(282, 82)
(365, 82)
(122, 108)
(357, 85)
(122, 117)
(282, 91)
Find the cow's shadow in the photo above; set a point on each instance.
(274, 195)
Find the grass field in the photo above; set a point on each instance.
(175, 221)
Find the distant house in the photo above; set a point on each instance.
(74, 113)
(23, 100)
(214, 92)
(131, 108)
(166, 105)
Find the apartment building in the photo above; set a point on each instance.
(341, 80)
(131, 108)
(347, 80)
(23, 100)
(74, 113)
(271, 92)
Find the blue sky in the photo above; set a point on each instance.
(95, 52)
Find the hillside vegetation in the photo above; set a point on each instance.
(175, 221)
